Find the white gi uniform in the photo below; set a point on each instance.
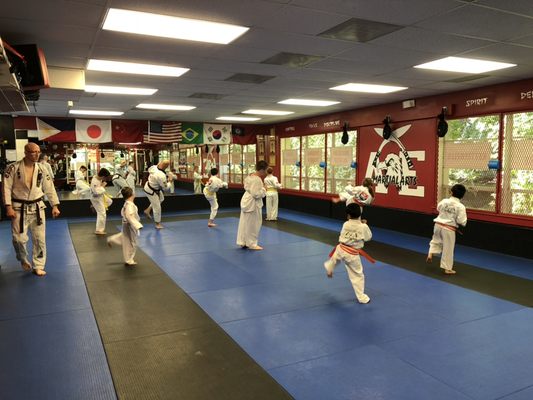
(353, 235)
(272, 185)
(452, 213)
(154, 187)
(131, 177)
(210, 193)
(100, 201)
(82, 187)
(251, 205)
(356, 194)
(171, 178)
(131, 224)
(197, 182)
(28, 204)
(119, 180)
(49, 169)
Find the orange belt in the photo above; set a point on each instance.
(451, 228)
(355, 252)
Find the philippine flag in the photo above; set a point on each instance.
(93, 131)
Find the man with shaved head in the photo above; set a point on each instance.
(156, 183)
(25, 184)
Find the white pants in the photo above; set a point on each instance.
(101, 212)
(443, 241)
(83, 190)
(214, 206)
(119, 183)
(130, 181)
(128, 240)
(249, 226)
(38, 238)
(272, 206)
(197, 186)
(155, 201)
(354, 267)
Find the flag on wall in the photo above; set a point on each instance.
(93, 131)
(56, 130)
(217, 133)
(128, 131)
(192, 133)
(163, 132)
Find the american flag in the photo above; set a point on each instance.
(163, 132)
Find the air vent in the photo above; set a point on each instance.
(293, 60)
(360, 30)
(467, 78)
(249, 78)
(210, 96)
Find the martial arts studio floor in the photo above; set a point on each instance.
(199, 318)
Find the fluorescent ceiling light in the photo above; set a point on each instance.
(134, 68)
(142, 23)
(119, 90)
(238, 119)
(306, 102)
(95, 112)
(267, 112)
(466, 65)
(150, 106)
(367, 88)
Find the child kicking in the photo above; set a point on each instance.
(351, 241)
(452, 214)
(362, 195)
(130, 228)
(210, 192)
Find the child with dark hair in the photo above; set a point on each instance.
(272, 186)
(131, 224)
(210, 192)
(452, 214)
(100, 200)
(353, 236)
(362, 195)
(251, 205)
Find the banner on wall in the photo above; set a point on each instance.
(163, 132)
(93, 131)
(192, 133)
(217, 133)
(403, 166)
(56, 130)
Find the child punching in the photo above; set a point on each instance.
(351, 241)
(210, 192)
(452, 214)
(130, 227)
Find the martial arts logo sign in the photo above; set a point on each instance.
(395, 169)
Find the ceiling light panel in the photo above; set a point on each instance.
(240, 119)
(142, 23)
(267, 112)
(119, 90)
(464, 65)
(95, 112)
(134, 68)
(174, 107)
(308, 102)
(367, 88)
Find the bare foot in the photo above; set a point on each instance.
(256, 247)
(130, 264)
(26, 266)
(449, 271)
(39, 272)
(159, 226)
(211, 225)
(100, 233)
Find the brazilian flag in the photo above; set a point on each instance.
(192, 133)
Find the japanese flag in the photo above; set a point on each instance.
(93, 131)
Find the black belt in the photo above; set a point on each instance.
(154, 191)
(23, 208)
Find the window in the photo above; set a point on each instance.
(249, 159)
(313, 163)
(224, 163)
(193, 160)
(464, 157)
(517, 168)
(340, 171)
(236, 163)
(290, 162)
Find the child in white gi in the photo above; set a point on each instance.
(82, 187)
(351, 241)
(100, 200)
(197, 176)
(131, 224)
(210, 192)
(171, 176)
(272, 185)
(362, 195)
(131, 175)
(452, 214)
(251, 206)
